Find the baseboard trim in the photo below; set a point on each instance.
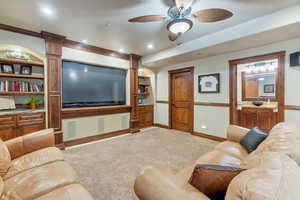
(96, 137)
(203, 135)
(161, 126)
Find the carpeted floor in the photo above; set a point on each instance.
(108, 168)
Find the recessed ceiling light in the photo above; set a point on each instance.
(121, 50)
(150, 46)
(47, 11)
(84, 41)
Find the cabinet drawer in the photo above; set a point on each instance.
(145, 108)
(30, 128)
(30, 117)
(7, 119)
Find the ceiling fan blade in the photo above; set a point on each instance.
(172, 37)
(212, 15)
(184, 3)
(148, 18)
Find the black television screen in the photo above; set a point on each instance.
(85, 85)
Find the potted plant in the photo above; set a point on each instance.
(33, 102)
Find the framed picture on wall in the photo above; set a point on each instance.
(269, 88)
(26, 70)
(209, 83)
(7, 68)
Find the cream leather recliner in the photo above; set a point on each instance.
(32, 168)
(155, 183)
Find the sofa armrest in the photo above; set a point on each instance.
(158, 184)
(29, 143)
(236, 133)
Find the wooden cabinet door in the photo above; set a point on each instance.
(265, 119)
(248, 118)
(7, 132)
(7, 127)
(30, 128)
(29, 123)
(145, 116)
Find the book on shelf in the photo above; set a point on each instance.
(21, 86)
(143, 89)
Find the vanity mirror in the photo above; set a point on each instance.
(259, 86)
(258, 81)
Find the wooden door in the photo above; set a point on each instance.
(182, 99)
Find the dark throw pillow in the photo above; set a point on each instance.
(252, 139)
(213, 180)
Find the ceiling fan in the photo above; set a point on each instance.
(180, 14)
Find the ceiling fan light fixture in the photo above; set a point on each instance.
(180, 26)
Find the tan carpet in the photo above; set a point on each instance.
(108, 168)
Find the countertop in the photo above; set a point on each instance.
(149, 104)
(270, 106)
(20, 111)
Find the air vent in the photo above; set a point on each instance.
(100, 125)
(71, 129)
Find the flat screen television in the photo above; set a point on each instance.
(86, 85)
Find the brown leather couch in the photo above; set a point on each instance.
(155, 183)
(31, 167)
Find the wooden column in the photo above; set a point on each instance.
(54, 45)
(134, 63)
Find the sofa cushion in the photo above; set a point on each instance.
(41, 180)
(218, 157)
(5, 159)
(275, 177)
(233, 148)
(252, 139)
(69, 192)
(213, 180)
(34, 159)
(284, 138)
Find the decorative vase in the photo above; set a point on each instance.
(33, 106)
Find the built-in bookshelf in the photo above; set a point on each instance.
(19, 83)
(144, 90)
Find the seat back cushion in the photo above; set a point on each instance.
(276, 176)
(5, 159)
(284, 138)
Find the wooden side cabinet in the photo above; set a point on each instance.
(12, 126)
(145, 115)
(263, 118)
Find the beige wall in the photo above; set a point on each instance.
(212, 120)
(90, 126)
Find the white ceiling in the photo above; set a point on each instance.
(87, 19)
(260, 39)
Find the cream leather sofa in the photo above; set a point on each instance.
(32, 168)
(155, 183)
